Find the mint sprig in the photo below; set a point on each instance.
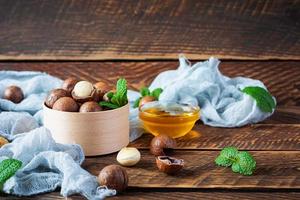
(145, 91)
(240, 161)
(8, 168)
(118, 98)
(263, 98)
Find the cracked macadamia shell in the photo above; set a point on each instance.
(169, 165)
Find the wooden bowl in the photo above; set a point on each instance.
(98, 133)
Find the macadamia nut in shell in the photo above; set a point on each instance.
(66, 104)
(14, 94)
(114, 177)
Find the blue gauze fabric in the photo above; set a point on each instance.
(47, 165)
(220, 98)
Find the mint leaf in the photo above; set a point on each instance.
(119, 98)
(110, 95)
(263, 98)
(245, 164)
(240, 161)
(108, 105)
(8, 168)
(156, 93)
(227, 157)
(144, 91)
(137, 102)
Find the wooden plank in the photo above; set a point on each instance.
(160, 29)
(175, 195)
(285, 115)
(275, 169)
(281, 78)
(252, 137)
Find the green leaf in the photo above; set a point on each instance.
(108, 105)
(121, 93)
(137, 102)
(227, 157)
(263, 98)
(110, 95)
(119, 98)
(8, 168)
(156, 93)
(240, 161)
(245, 164)
(145, 91)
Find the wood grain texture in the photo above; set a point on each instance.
(160, 29)
(275, 169)
(252, 137)
(175, 195)
(281, 78)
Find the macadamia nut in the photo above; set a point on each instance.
(128, 156)
(83, 89)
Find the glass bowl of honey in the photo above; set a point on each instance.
(172, 119)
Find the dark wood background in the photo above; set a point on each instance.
(156, 29)
(103, 40)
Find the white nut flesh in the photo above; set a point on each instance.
(83, 89)
(128, 156)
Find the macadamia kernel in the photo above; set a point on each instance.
(83, 89)
(128, 156)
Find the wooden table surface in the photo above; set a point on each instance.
(275, 142)
(103, 40)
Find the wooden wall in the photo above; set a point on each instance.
(149, 29)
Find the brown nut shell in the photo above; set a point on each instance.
(114, 177)
(93, 97)
(69, 84)
(169, 165)
(90, 106)
(54, 95)
(146, 99)
(159, 144)
(14, 94)
(102, 87)
(66, 104)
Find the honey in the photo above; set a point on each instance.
(172, 119)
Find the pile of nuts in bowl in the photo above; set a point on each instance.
(82, 96)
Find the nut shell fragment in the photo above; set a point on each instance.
(169, 165)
